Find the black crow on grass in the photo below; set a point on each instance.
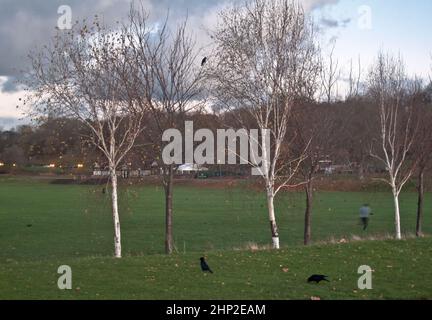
(317, 278)
(204, 266)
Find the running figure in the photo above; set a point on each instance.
(365, 212)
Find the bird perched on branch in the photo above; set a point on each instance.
(318, 278)
(203, 62)
(204, 266)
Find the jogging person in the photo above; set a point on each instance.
(365, 212)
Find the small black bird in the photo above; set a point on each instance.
(317, 278)
(29, 225)
(203, 62)
(204, 266)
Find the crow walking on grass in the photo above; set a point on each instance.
(204, 266)
(317, 278)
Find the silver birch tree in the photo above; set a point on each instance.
(392, 94)
(265, 59)
(85, 74)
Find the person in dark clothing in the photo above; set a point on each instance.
(365, 213)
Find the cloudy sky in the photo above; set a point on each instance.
(360, 28)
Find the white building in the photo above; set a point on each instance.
(188, 168)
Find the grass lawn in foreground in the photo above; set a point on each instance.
(71, 225)
(401, 271)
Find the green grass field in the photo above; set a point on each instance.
(71, 224)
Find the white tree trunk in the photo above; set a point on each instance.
(397, 215)
(115, 213)
(272, 218)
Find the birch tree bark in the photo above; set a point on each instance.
(265, 60)
(115, 213)
(85, 74)
(393, 95)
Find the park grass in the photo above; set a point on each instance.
(71, 224)
(401, 271)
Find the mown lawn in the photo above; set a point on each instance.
(401, 271)
(71, 224)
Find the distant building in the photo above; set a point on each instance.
(189, 168)
(151, 168)
(325, 166)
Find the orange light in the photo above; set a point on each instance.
(2, 164)
(80, 165)
(52, 165)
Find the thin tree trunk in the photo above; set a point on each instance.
(272, 218)
(361, 171)
(169, 243)
(308, 213)
(420, 189)
(397, 215)
(115, 213)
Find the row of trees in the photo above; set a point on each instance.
(265, 72)
(55, 140)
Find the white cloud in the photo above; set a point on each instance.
(9, 101)
(17, 18)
